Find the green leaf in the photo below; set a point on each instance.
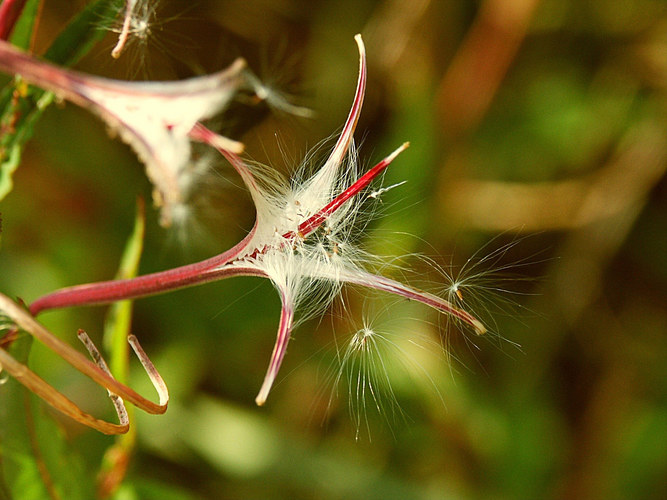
(116, 330)
(21, 107)
(151, 490)
(19, 117)
(117, 324)
(82, 33)
(37, 462)
(22, 34)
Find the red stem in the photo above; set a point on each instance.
(388, 285)
(311, 224)
(279, 349)
(150, 284)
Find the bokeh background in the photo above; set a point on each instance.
(538, 135)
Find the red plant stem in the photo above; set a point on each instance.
(346, 134)
(64, 83)
(311, 224)
(192, 274)
(10, 11)
(388, 285)
(197, 273)
(279, 350)
(150, 284)
(202, 134)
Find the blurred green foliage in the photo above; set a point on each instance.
(533, 118)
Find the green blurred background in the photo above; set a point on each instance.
(538, 131)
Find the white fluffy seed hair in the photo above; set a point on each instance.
(376, 359)
(134, 21)
(308, 267)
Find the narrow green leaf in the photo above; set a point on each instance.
(37, 463)
(116, 330)
(25, 111)
(22, 107)
(117, 324)
(82, 33)
(22, 34)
